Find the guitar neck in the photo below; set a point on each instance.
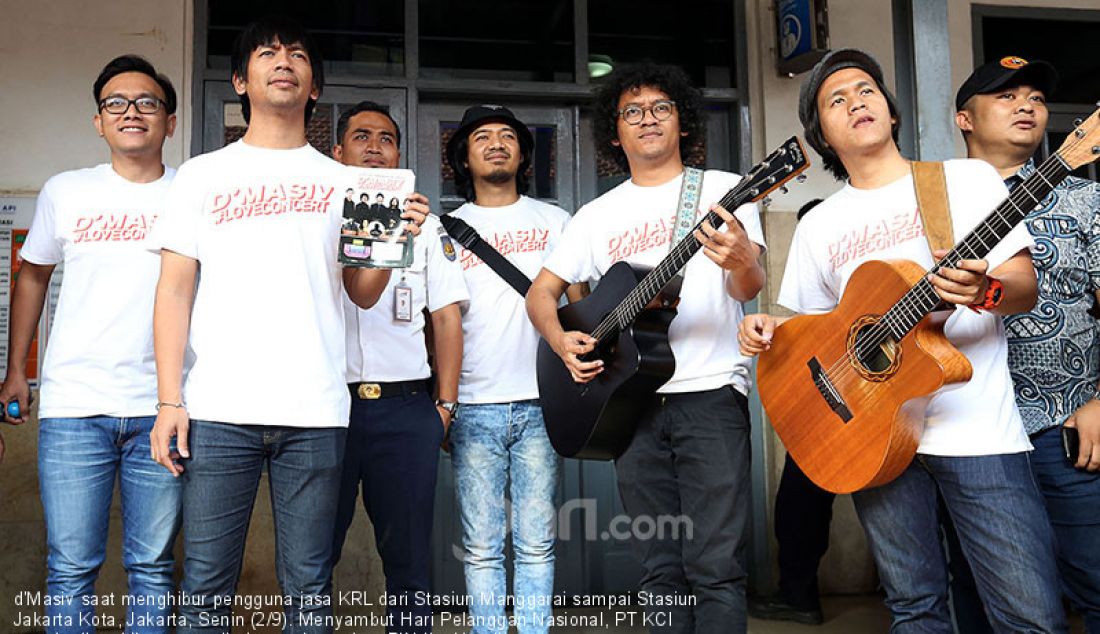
(651, 285)
(922, 299)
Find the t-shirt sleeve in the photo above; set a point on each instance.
(43, 245)
(804, 288)
(572, 257)
(177, 227)
(445, 282)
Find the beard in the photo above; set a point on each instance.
(499, 176)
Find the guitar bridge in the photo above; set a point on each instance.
(828, 390)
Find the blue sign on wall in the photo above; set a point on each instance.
(796, 28)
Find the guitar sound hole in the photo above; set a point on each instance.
(874, 355)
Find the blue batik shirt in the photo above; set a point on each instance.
(1053, 350)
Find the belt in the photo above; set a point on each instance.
(372, 391)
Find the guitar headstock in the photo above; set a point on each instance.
(788, 161)
(1082, 146)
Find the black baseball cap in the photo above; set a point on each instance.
(487, 113)
(1006, 71)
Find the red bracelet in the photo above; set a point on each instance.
(994, 293)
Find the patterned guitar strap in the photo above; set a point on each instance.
(690, 189)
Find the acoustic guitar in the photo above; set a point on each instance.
(596, 420)
(847, 390)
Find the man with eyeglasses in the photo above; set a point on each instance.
(98, 387)
(689, 458)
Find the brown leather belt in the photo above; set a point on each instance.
(373, 391)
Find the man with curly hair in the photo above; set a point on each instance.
(689, 458)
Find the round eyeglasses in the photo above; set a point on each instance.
(633, 114)
(119, 105)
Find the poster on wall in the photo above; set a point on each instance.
(16, 213)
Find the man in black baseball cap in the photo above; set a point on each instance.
(1004, 73)
(1003, 118)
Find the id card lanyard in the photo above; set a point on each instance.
(402, 300)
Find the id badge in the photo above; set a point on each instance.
(402, 302)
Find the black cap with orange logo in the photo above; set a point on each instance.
(1007, 71)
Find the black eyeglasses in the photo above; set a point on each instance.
(633, 114)
(119, 105)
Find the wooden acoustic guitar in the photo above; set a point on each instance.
(596, 420)
(847, 391)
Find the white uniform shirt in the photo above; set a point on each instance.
(381, 347)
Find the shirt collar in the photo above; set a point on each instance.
(1027, 170)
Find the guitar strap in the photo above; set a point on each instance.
(935, 210)
(468, 237)
(690, 189)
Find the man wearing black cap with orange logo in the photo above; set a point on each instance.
(498, 432)
(1054, 349)
(973, 451)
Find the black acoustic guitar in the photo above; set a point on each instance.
(596, 420)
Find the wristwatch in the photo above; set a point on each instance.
(448, 406)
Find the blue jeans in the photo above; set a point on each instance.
(220, 481)
(78, 462)
(1003, 531)
(1073, 501)
(491, 444)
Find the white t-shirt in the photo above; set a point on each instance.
(634, 224)
(99, 360)
(267, 327)
(499, 343)
(856, 225)
(383, 348)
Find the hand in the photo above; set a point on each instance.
(569, 347)
(15, 388)
(730, 249)
(755, 333)
(446, 418)
(171, 422)
(964, 285)
(1087, 422)
(416, 211)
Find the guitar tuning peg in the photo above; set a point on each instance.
(784, 190)
(771, 179)
(754, 192)
(1079, 133)
(1096, 149)
(767, 200)
(801, 178)
(1078, 121)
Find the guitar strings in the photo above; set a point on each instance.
(890, 324)
(923, 290)
(622, 315)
